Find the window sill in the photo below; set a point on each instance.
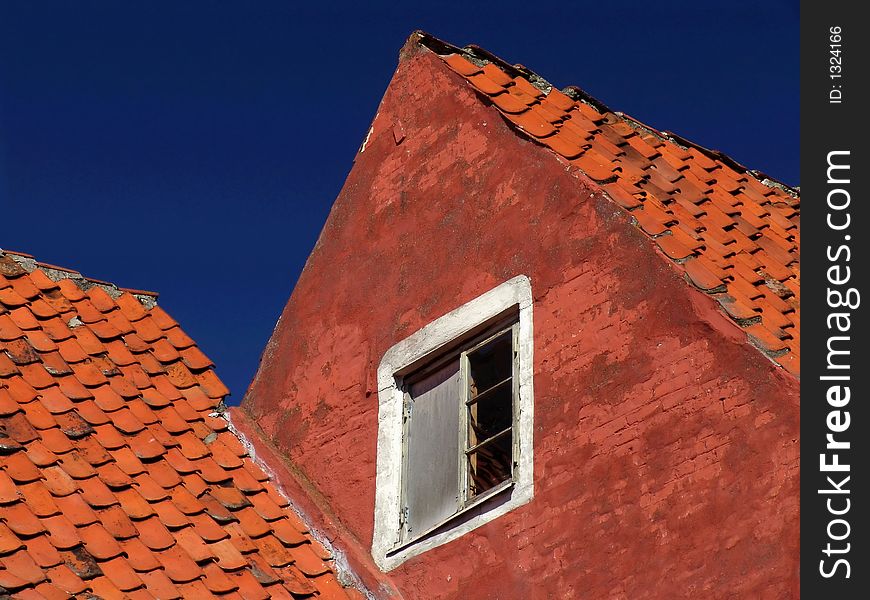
(474, 503)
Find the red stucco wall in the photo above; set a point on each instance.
(666, 447)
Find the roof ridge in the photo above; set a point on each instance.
(480, 57)
(28, 262)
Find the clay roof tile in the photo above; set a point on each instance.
(104, 474)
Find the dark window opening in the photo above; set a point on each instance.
(489, 445)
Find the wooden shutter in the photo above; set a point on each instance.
(432, 443)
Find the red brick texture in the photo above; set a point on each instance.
(666, 445)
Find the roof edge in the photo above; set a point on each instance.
(357, 563)
(481, 57)
(56, 273)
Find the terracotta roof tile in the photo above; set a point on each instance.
(228, 556)
(72, 388)
(170, 515)
(99, 543)
(23, 567)
(115, 478)
(508, 103)
(71, 351)
(17, 428)
(57, 330)
(42, 281)
(19, 468)
(721, 212)
(194, 545)
(61, 532)
(38, 499)
(241, 540)
(249, 587)
(485, 84)
(72, 425)
(533, 123)
(217, 581)
(274, 552)
(24, 318)
(216, 510)
(138, 555)
(296, 582)
(289, 534)
(74, 508)
(117, 522)
(208, 528)
(104, 588)
(160, 585)
(20, 519)
(45, 591)
(178, 338)
(66, 579)
(121, 574)
(41, 550)
(231, 498)
(10, 581)
(7, 367)
(224, 456)
(96, 493)
(105, 330)
(76, 466)
(41, 456)
(10, 298)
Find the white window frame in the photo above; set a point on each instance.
(438, 337)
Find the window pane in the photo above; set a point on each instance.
(432, 480)
(490, 464)
(491, 363)
(490, 414)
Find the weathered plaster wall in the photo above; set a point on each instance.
(666, 447)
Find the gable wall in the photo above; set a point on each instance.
(666, 447)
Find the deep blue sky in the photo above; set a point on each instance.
(195, 148)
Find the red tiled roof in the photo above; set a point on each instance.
(118, 475)
(734, 233)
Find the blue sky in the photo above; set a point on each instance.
(195, 148)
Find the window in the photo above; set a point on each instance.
(455, 424)
(469, 393)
